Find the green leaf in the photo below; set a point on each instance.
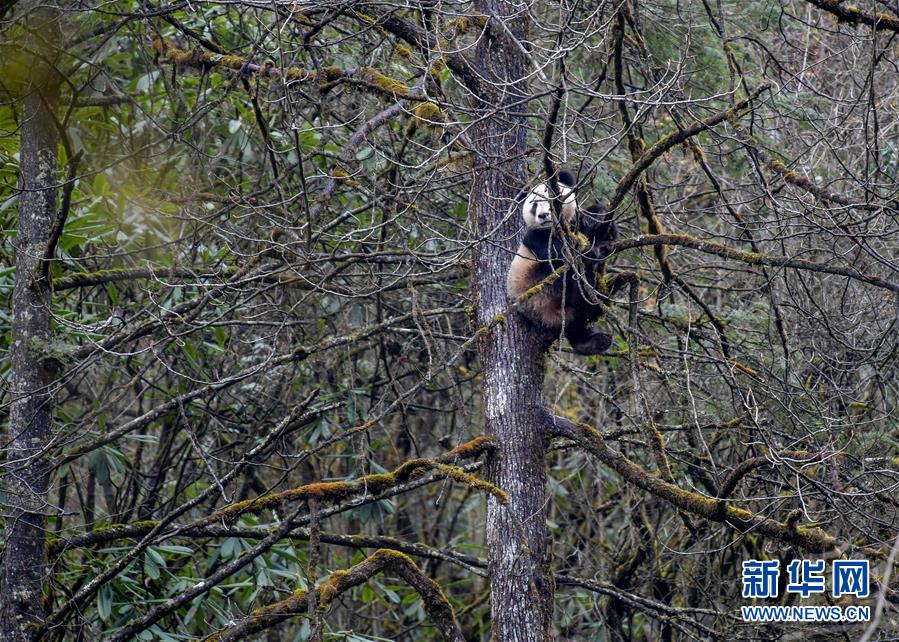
(104, 601)
(151, 568)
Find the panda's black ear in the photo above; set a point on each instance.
(566, 178)
(520, 196)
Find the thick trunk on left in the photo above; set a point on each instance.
(26, 472)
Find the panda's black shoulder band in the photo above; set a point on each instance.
(543, 244)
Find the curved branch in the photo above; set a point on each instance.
(60, 222)
(369, 484)
(852, 15)
(814, 539)
(435, 603)
(736, 475)
(672, 140)
(795, 179)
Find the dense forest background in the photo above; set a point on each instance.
(261, 379)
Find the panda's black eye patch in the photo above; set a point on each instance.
(534, 208)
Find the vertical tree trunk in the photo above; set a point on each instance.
(26, 474)
(512, 356)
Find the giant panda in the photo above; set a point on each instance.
(564, 303)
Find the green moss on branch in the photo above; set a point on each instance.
(753, 258)
(435, 603)
(811, 539)
(369, 484)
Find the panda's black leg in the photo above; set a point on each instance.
(585, 340)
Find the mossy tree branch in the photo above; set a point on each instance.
(376, 483)
(473, 564)
(87, 591)
(366, 77)
(428, 44)
(384, 560)
(851, 14)
(642, 158)
(650, 155)
(323, 492)
(753, 258)
(117, 532)
(793, 178)
(813, 540)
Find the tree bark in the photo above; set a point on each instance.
(26, 473)
(521, 588)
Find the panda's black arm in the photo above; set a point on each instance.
(602, 241)
(600, 229)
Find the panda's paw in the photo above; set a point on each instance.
(597, 343)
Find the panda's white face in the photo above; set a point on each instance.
(537, 207)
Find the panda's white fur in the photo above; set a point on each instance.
(547, 308)
(560, 305)
(537, 207)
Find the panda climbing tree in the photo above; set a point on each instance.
(568, 304)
